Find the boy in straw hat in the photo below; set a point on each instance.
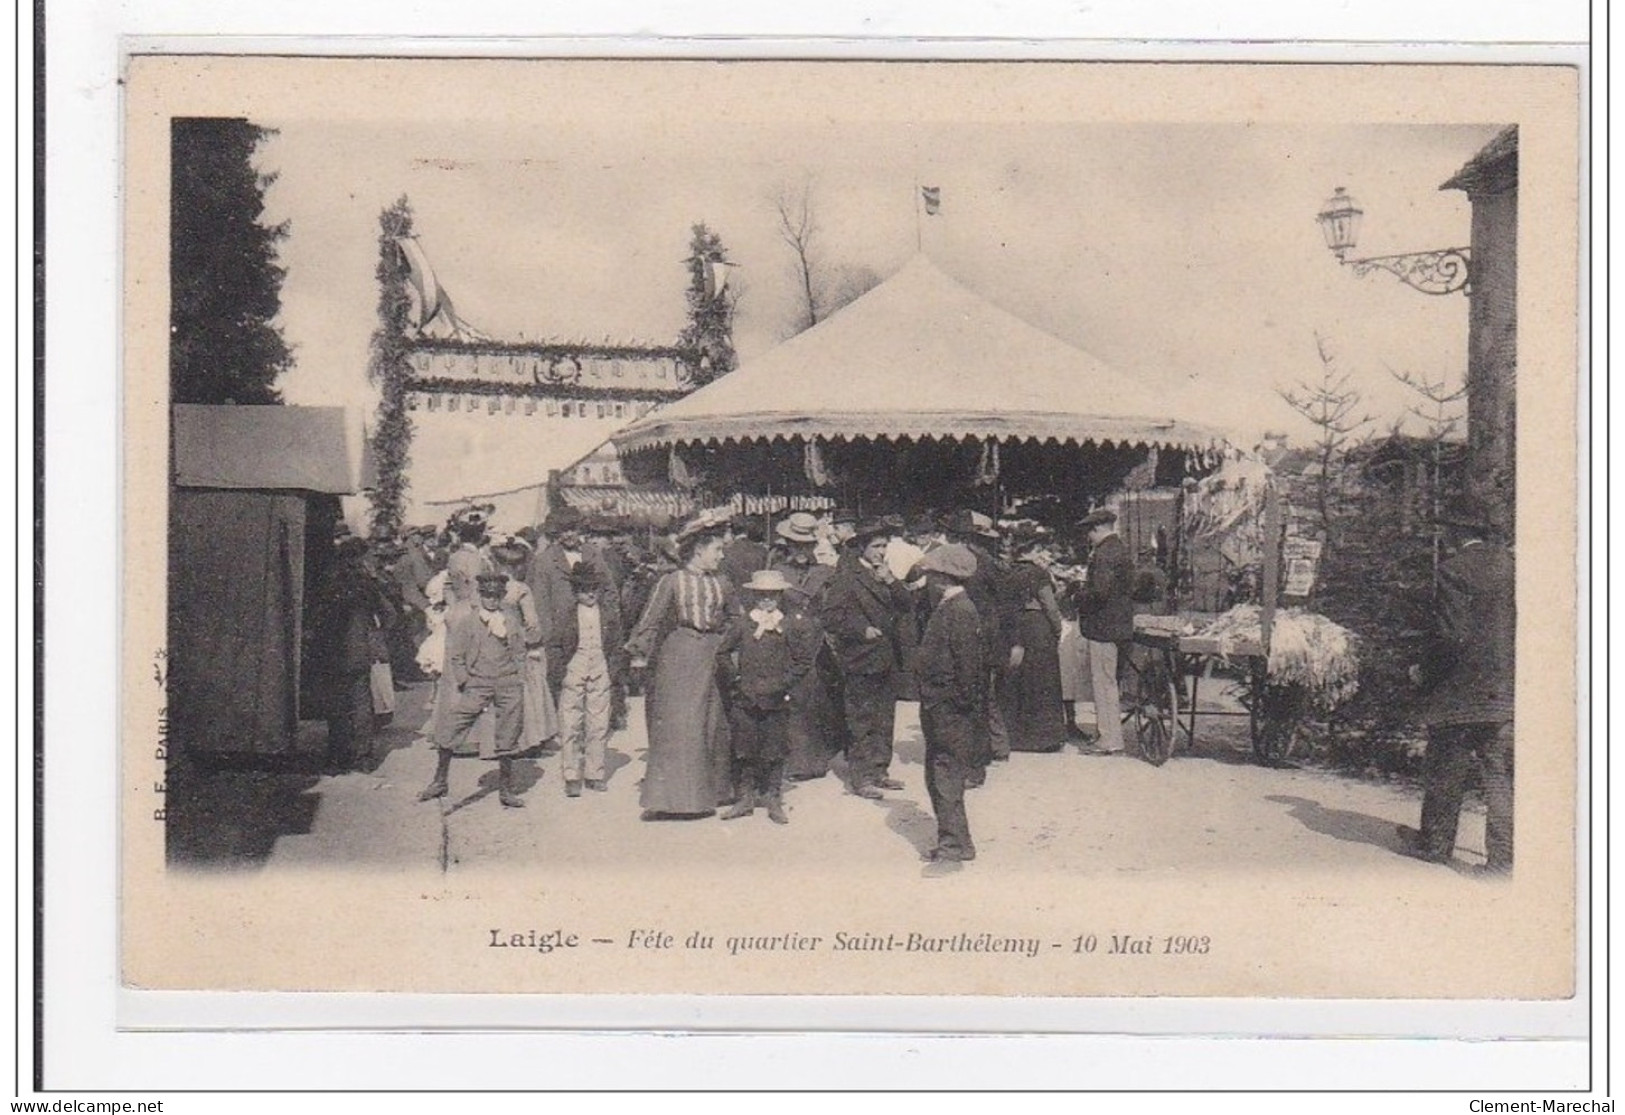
(953, 689)
(765, 653)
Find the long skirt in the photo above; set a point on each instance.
(1073, 662)
(1032, 692)
(689, 762)
(541, 715)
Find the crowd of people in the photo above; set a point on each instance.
(767, 653)
(764, 651)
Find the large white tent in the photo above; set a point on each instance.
(922, 356)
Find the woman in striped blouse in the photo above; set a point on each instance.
(688, 766)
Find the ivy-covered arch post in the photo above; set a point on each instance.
(389, 369)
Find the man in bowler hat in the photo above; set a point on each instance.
(864, 619)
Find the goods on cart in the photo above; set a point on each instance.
(1307, 651)
(1221, 520)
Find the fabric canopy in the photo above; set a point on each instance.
(921, 356)
(267, 447)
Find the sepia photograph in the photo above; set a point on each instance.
(849, 528)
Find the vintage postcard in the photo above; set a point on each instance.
(850, 528)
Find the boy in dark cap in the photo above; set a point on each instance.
(980, 535)
(952, 679)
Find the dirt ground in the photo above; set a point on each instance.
(1208, 807)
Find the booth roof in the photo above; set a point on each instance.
(269, 447)
(919, 356)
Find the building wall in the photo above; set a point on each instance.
(1492, 346)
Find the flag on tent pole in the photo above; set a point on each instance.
(931, 198)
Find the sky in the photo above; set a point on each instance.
(1186, 255)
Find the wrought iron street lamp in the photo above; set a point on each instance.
(1444, 271)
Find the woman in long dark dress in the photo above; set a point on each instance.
(689, 764)
(817, 726)
(1033, 714)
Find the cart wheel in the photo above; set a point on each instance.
(1156, 716)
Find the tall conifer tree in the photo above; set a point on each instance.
(224, 280)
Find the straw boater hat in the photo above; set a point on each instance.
(799, 526)
(1100, 516)
(952, 560)
(767, 580)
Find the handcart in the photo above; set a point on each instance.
(1160, 686)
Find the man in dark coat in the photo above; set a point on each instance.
(817, 724)
(952, 675)
(986, 589)
(1468, 677)
(863, 616)
(745, 552)
(348, 615)
(1106, 621)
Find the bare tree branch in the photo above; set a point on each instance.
(798, 228)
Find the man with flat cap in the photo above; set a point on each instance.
(1106, 621)
(1467, 678)
(864, 619)
(952, 680)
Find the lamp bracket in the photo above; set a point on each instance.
(1444, 271)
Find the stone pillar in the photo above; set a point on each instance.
(1490, 181)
